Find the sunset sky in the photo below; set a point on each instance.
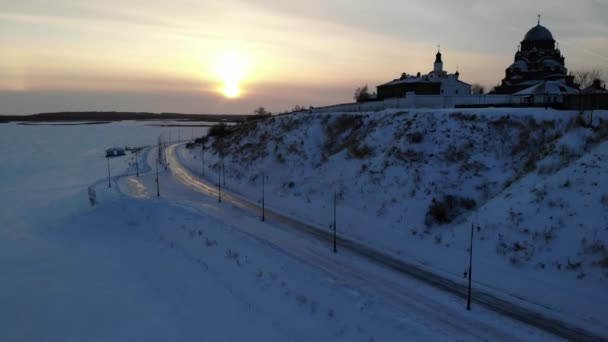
(231, 56)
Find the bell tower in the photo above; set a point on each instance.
(438, 66)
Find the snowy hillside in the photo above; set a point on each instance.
(412, 183)
(183, 267)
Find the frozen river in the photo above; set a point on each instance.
(46, 167)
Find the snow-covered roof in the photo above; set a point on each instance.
(595, 89)
(410, 79)
(548, 88)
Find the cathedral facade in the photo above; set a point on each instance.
(537, 60)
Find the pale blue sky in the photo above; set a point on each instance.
(183, 56)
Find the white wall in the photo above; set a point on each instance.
(450, 86)
(412, 100)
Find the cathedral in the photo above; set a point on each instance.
(538, 77)
(537, 60)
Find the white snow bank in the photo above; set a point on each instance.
(390, 166)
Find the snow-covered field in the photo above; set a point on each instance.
(184, 267)
(412, 183)
(137, 267)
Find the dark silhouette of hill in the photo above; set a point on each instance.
(120, 116)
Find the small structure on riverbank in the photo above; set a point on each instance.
(115, 152)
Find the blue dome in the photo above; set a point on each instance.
(538, 32)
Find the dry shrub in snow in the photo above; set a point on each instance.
(415, 138)
(344, 131)
(219, 130)
(447, 209)
(360, 151)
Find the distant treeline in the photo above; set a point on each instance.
(120, 116)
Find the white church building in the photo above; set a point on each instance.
(436, 82)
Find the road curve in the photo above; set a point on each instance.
(499, 305)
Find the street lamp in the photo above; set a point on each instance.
(263, 199)
(219, 183)
(203, 159)
(223, 173)
(136, 162)
(165, 152)
(157, 179)
(109, 183)
(471, 266)
(336, 194)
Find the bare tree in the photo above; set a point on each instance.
(478, 89)
(586, 77)
(261, 111)
(362, 94)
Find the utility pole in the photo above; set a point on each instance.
(219, 184)
(263, 206)
(335, 228)
(470, 267)
(109, 183)
(136, 162)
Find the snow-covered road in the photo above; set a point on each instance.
(401, 286)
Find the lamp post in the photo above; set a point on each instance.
(157, 179)
(109, 183)
(203, 159)
(223, 173)
(165, 153)
(470, 266)
(136, 163)
(219, 183)
(335, 228)
(263, 205)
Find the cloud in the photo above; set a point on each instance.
(146, 47)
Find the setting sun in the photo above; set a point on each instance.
(230, 70)
(231, 90)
